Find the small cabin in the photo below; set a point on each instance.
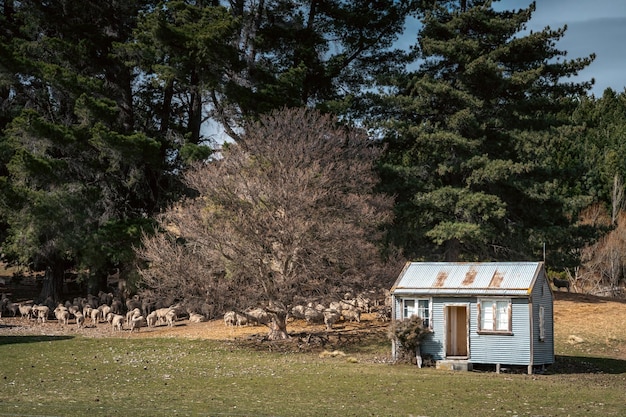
(492, 313)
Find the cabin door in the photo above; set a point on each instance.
(456, 331)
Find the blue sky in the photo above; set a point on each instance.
(593, 26)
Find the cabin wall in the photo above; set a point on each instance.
(512, 349)
(542, 296)
(504, 349)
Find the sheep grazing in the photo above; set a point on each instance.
(62, 314)
(257, 316)
(297, 312)
(161, 313)
(230, 318)
(13, 308)
(151, 319)
(314, 315)
(117, 322)
(41, 313)
(137, 323)
(136, 312)
(170, 318)
(194, 318)
(95, 316)
(240, 319)
(26, 310)
(351, 314)
(331, 317)
(104, 311)
(80, 319)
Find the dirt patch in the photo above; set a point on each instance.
(303, 336)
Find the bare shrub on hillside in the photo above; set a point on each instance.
(603, 266)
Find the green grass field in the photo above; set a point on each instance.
(83, 376)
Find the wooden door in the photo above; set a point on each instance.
(456, 331)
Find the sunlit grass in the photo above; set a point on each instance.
(67, 376)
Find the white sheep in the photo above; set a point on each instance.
(104, 311)
(257, 316)
(117, 322)
(313, 315)
(137, 323)
(230, 318)
(80, 319)
(151, 319)
(351, 314)
(136, 312)
(195, 318)
(62, 314)
(170, 318)
(41, 312)
(161, 313)
(240, 319)
(95, 316)
(298, 311)
(26, 310)
(331, 316)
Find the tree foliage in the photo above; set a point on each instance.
(290, 211)
(477, 136)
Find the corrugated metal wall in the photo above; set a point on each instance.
(543, 351)
(505, 349)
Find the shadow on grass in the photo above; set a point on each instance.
(13, 340)
(585, 298)
(586, 365)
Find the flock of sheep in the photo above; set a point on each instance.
(136, 313)
(94, 310)
(348, 309)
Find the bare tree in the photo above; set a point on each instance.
(289, 211)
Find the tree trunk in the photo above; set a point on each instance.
(278, 326)
(452, 250)
(52, 284)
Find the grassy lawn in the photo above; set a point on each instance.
(71, 376)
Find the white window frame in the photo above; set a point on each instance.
(415, 309)
(495, 316)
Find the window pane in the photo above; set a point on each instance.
(502, 315)
(487, 315)
(423, 311)
(409, 308)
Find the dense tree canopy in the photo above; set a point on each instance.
(104, 105)
(478, 137)
(491, 150)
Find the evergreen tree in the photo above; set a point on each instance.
(81, 181)
(324, 54)
(476, 137)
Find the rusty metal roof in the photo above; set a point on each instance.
(467, 278)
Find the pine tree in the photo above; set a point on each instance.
(475, 136)
(81, 182)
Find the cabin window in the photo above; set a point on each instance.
(494, 316)
(417, 307)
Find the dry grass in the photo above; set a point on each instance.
(599, 322)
